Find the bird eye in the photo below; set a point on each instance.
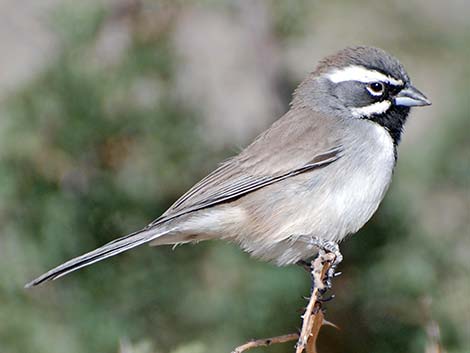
(376, 88)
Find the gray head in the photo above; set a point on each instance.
(362, 83)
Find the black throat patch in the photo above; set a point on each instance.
(393, 121)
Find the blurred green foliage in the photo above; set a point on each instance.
(84, 158)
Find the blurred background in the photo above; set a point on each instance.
(110, 110)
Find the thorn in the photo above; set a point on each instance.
(328, 323)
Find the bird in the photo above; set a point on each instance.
(313, 178)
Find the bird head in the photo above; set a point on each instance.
(362, 83)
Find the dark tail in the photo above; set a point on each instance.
(110, 249)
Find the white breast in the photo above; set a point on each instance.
(344, 195)
(364, 175)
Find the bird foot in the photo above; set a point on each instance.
(327, 251)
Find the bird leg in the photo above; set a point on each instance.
(324, 247)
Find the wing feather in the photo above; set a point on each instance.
(299, 142)
(247, 185)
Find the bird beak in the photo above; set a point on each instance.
(411, 97)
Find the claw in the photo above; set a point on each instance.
(324, 247)
(305, 265)
(330, 298)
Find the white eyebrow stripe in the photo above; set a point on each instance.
(361, 74)
(368, 110)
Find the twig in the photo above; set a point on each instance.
(312, 319)
(264, 342)
(434, 344)
(313, 316)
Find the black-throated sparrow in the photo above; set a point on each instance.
(316, 175)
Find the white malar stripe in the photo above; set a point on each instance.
(361, 74)
(368, 110)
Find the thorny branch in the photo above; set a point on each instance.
(264, 342)
(312, 319)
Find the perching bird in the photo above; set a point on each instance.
(315, 176)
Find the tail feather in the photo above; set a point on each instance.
(110, 249)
